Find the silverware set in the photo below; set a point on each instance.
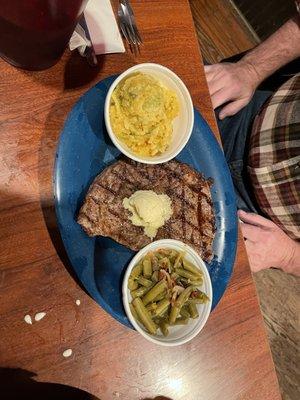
(128, 26)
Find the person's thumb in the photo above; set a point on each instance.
(255, 219)
(232, 108)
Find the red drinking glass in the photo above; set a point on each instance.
(35, 33)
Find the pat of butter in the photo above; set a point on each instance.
(149, 210)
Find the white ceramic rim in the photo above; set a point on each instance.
(107, 121)
(125, 291)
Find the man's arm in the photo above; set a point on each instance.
(236, 82)
(278, 50)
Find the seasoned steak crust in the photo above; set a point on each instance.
(192, 221)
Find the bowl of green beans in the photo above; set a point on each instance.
(167, 292)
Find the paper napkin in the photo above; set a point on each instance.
(103, 29)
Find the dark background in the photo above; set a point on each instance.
(265, 16)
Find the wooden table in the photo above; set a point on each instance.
(229, 360)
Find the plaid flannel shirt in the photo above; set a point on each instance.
(274, 157)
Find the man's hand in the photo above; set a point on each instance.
(234, 83)
(267, 245)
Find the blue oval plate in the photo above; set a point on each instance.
(84, 150)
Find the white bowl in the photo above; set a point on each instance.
(182, 124)
(181, 333)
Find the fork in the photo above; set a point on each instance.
(128, 26)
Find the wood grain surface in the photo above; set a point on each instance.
(222, 30)
(229, 360)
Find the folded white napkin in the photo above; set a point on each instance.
(103, 30)
(79, 40)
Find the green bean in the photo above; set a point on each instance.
(204, 297)
(163, 326)
(182, 298)
(161, 296)
(179, 303)
(191, 267)
(164, 263)
(188, 282)
(165, 314)
(141, 291)
(155, 265)
(195, 301)
(182, 281)
(193, 310)
(184, 312)
(162, 306)
(173, 255)
(133, 312)
(136, 271)
(156, 320)
(144, 316)
(174, 276)
(132, 284)
(168, 253)
(196, 283)
(151, 306)
(178, 261)
(181, 321)
(154, 276)
(165, 252)
(201, 296)
(155, 291)
(174, 314)
(147, 268)
(151, 297)
(187, 274)
(144, 282)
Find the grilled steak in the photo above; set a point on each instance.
(192, 222)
